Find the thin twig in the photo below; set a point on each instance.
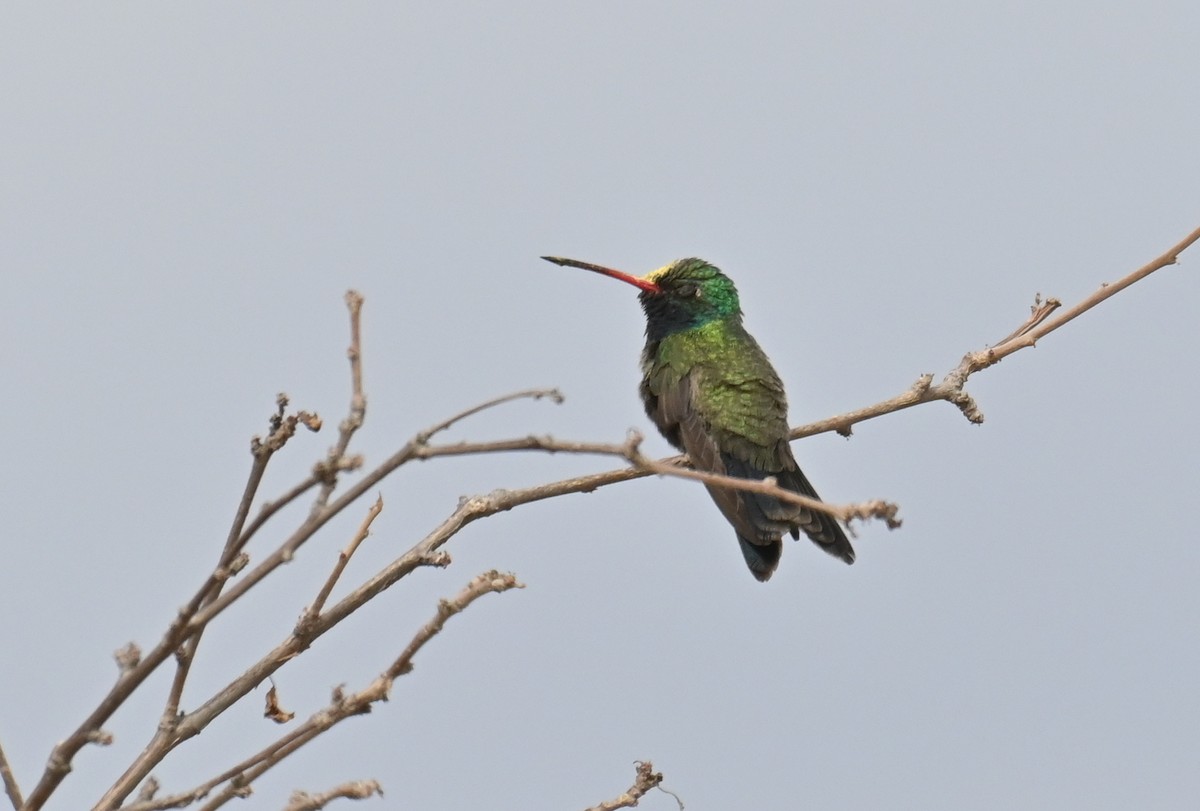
(11, 787)
(646, 779)
(162, 744)
(206, 595)
(554, 395)
(1038, 313)
(327, 470)
(882, 510)
(1030, 338)
(58, 765)
(283, 428)
(486, 583)
(343, 706)
(358, 790)
(1028, 334)
(344, 556)
(194, 722)
(416, 448)
(271, 507)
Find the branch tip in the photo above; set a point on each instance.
(128, 657)
(645, 780)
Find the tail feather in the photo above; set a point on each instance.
(770, 518)
(761, 558)
(820, 527)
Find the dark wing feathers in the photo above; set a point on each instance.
(759, 521)
(669, 404)
(821, 528)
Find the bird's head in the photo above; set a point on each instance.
(685, 294)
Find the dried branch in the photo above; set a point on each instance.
(883, 510)
(416, 448)
(676, 466)
(554, 395)
(358, 790)
(58, 765)
(271, 507)
(283, 428)
(344, 556)
(11, 788)
(1038, 313)
(242, 776)
(217, 579)
(1030, 338)
(1028, 334)
(185, 630)
(327, 470)
(172, 734)
(486, 583)
(921, 391)
(231, 562)
(647, 779)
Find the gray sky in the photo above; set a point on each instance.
(188, 191)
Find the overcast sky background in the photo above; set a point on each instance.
(189, 190)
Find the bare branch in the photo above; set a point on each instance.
(203, 607)
(1028, 334)
(327, 470)
(11, 788)
(670, 466)
(554, 396)
(1033, 335)
(486, 583)
(646, 779)
(882, 510)
(182, 628)
(343, 558)
(271, 507)
(342, 706)
(1038, 313)
(283, 428)
(359, 790)
(415, 448)
(216, 580)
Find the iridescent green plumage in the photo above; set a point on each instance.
(712, 392)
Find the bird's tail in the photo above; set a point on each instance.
(771, 517)
(762, 558)
(820, 527)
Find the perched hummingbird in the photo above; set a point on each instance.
(712, 392)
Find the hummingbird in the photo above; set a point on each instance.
(711, 391)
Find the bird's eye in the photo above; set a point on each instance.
(688, 290)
